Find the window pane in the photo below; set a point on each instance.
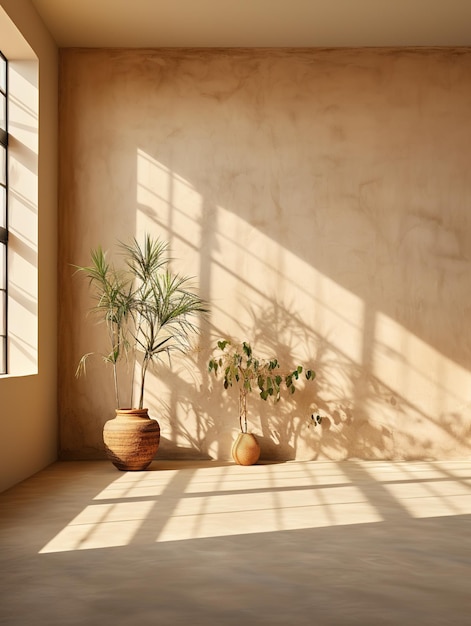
(3, 112)
(3, 74)
(2, 311)
(3, 297)
(3, 283)
(3, 165)
(3, 365)
(3, 207)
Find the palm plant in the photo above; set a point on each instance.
(147, 309)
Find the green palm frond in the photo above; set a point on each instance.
(144, 305)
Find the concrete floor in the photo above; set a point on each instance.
(208, 543)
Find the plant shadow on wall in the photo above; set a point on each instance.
(188, 431)
(351, 402)
(353, 405)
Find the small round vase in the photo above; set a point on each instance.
(131, 439)
(246, 449)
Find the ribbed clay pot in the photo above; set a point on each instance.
(131, 439)
(246, 449)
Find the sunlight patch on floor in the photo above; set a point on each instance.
(223, 500)
(197, 518)
(101, 526)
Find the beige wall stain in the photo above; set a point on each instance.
(321, 199)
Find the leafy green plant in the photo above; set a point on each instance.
(147, 310)
(236, 364)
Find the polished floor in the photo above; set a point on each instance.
(189, 543)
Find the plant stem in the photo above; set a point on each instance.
(243, 409)
(145, 364)
(115, 378)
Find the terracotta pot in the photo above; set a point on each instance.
(246, 449)
(131, 439)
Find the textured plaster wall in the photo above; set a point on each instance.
(322, 200)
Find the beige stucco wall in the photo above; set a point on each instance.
(322, 200)
(29, 421)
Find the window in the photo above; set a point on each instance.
(19, 202)
(3, 212)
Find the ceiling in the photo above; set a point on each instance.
(257, 23)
